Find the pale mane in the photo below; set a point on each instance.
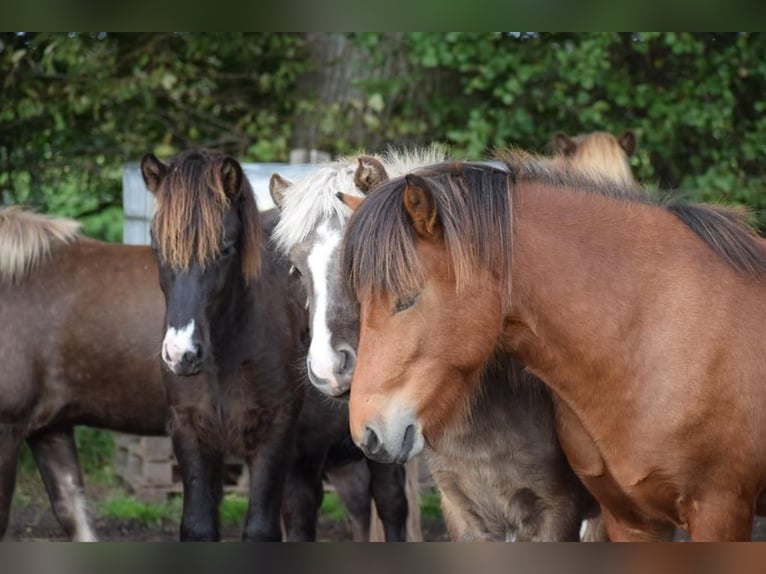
(26, 239)
(312, 200)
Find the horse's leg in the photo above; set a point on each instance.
(721, 517)
(11, 437)
(388, 491)
(56, 456)
(202, 477)
(302, 497)
(268, 466)
(621, 531)
(352, 484)
(463, 523)
(594, 529)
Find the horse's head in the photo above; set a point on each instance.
(310, 233)
(430, 317)
(599, 154)
(206, 236)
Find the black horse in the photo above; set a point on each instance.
(235, 336)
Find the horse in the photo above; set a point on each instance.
(70, 355)
(599, 154)
(643, 318)
(514, 483)
(233, 336)
(64, 345)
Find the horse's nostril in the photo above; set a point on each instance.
(194, 355)
(346, 361)
(370, 441)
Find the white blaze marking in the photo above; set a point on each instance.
(322, 357)
(76, 502)
(176, 343)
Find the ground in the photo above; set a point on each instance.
(32, 519)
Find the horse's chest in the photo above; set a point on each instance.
(631, 493)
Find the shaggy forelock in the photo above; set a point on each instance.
(312, 200)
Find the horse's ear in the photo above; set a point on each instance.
(369, 174)
(231, 177)
(153, 171)
(628, 142)
(277, 187)
(420, 205)
(563, 144)
(351, 201)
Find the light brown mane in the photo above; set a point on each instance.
(26, 239)
(192, 202)
(599, 155)
(564, 172)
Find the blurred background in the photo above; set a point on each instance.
(75, 107)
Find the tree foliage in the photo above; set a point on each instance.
(76, 106)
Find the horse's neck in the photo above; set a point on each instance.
(230, 318)
(579, 268)
(505, 394)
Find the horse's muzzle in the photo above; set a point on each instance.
(374, 448)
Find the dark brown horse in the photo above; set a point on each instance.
(234, 337)
(645, 321)
(80, 323)
(71, 356)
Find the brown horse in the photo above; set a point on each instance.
(72, 356)
(645, 321)
(80, 322)
(497, 482)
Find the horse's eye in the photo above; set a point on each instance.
(404, 304)
(228, 249)
(294, 271)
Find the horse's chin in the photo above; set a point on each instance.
(181, 370)
(343, 397)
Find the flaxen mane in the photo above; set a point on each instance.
(192, 202)
(26, 239)
(474, 206)
(312, 200)
(599, 155)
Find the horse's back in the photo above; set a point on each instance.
(79, 336)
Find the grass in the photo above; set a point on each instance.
(128, 508)
(125, 507)
(430, 505)
(332, 508)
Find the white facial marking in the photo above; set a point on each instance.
(176, 343)
(76, 503)
(322, 357)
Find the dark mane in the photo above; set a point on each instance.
(728, 232)
(191, 206)
(474, 206)
(725, 229)
(379, 250)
